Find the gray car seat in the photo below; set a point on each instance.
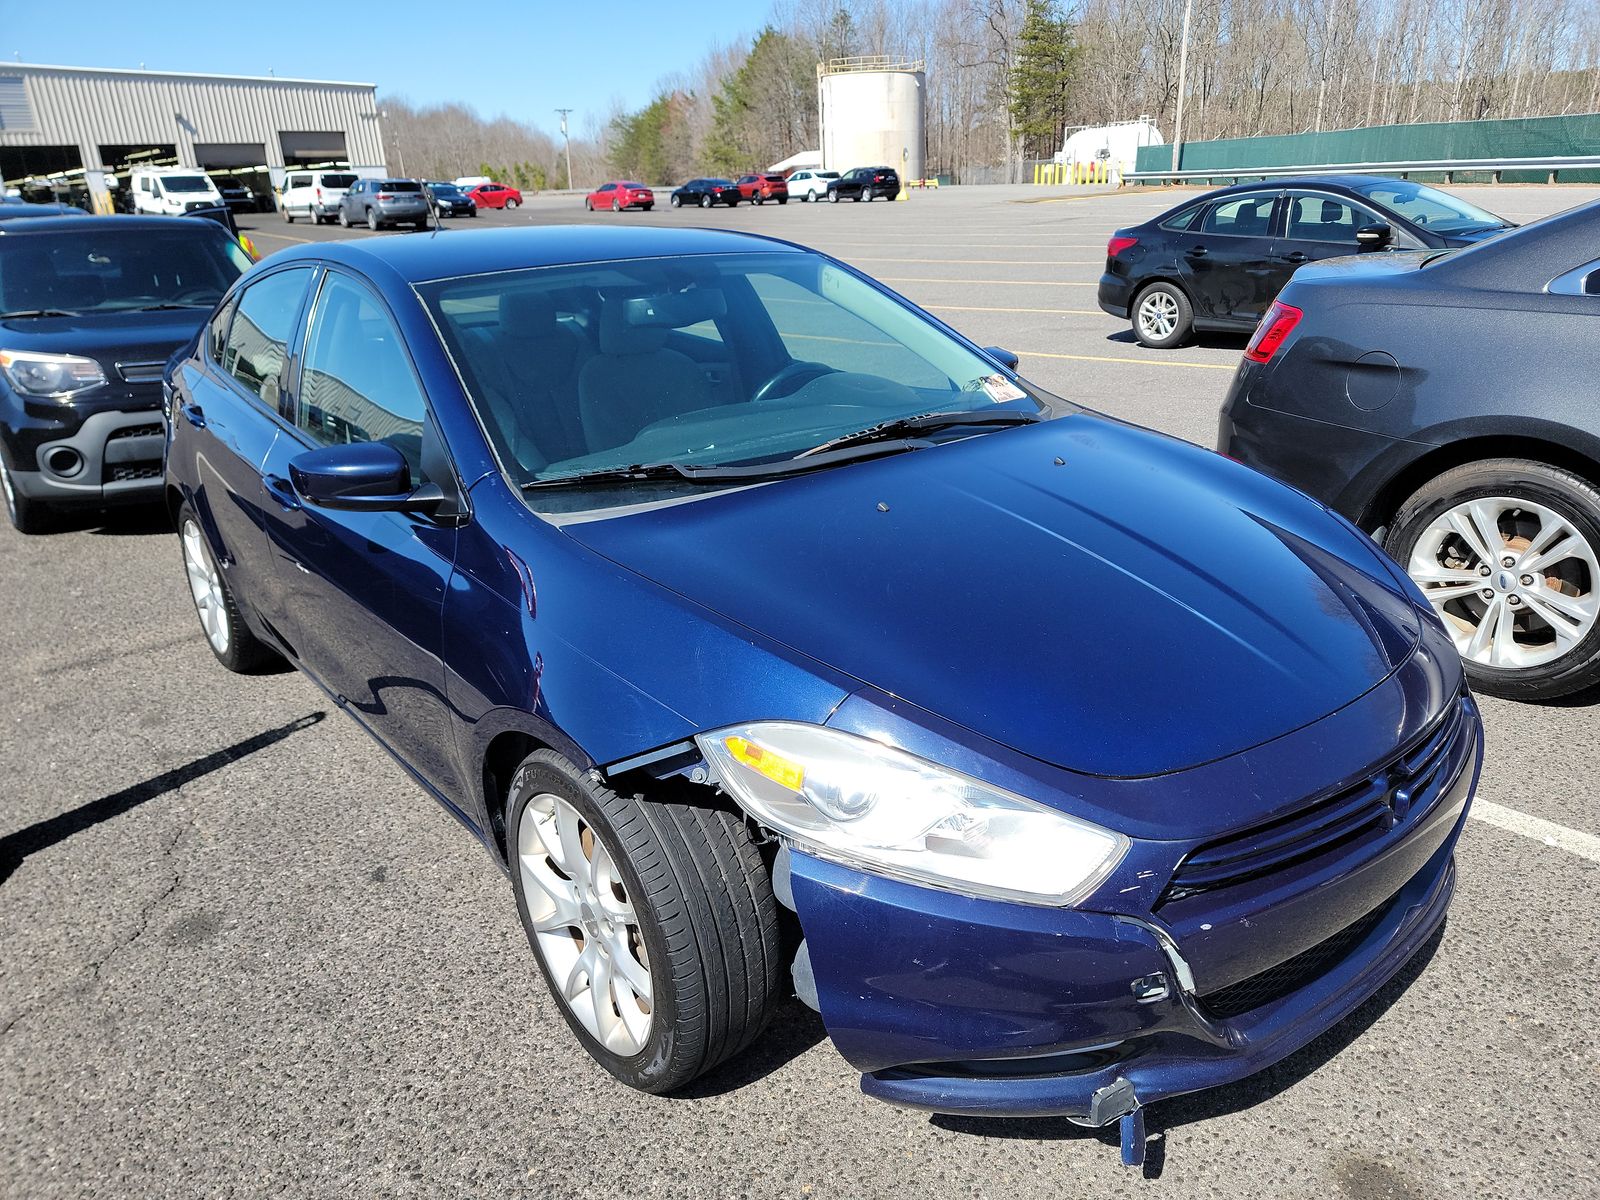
(635, 380)
(528, 373)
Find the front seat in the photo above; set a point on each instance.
(635, 380)
(530, 378)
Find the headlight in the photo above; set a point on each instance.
(56, 376)
(854, 800)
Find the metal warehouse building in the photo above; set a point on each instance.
(76, 132)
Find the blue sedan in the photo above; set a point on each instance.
(701, 578)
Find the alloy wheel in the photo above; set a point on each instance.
(1158, 315)
(588, 932)
(1516, 583)
(206, 587)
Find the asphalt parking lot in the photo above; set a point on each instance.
(243, 955)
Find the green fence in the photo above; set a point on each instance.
(1529, 137)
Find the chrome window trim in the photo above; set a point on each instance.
(1572, 282)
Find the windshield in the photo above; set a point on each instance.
(186, 183)
(106, 269)
(707, 361)
(1428, 207)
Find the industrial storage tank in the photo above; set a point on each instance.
(872, 111)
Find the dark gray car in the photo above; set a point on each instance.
(380, 203)
(1444, 401)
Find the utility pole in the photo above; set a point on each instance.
(568, 140)
(1183, 84)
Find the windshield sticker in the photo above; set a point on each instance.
(1000, 389)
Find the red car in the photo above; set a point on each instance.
(618, 195)
(760, 188)
(495, 195)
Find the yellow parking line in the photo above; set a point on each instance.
(1143, 362)
(1007, 282)
(282, 237)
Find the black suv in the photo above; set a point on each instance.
(865, 183)
(91, 308)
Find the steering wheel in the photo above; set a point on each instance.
(795, 374)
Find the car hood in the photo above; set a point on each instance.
(110, 337)
(1098, 597)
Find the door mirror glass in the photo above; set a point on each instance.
(361, 476)
(1379, 234)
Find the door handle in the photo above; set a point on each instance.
(1297, 257)
(1195, 252)
(194, 414)
(281, 490)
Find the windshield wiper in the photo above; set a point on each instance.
(812, 460)
(165, 307)
(922, 423)
(38, 312)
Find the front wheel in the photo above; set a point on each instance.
(288, 217)
(653, 922)
(589, 204)
(512, 203)
(1162, 316)
(676, 202)
(1507, 551)
(344, 218)
(616, 206)
(833, 197)
(226, 633)
(27, 516)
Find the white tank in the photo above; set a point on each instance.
(872, 114)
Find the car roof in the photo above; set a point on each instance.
(87, 222)
(1335, 183)
(445, 254)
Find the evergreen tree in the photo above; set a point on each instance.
(1042, 78)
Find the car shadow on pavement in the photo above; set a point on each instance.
(15, 847)
(1205, 339)
(135, 520)
(1219, 1101)
(794, 1029)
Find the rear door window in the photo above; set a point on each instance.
(1249, 215)
(258, 338)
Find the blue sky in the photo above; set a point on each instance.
(521, 58)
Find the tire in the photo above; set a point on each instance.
(616, 206)
(647, 207)
(1169, 320)
(288, 217)
(695, 897)
(705, 201)
(374, 222)
(237, 648)
(783, 199)
(856, 197)
(676, 202)
(588, 205)
(833, 196)
(344, 218)
(474, 211)
(757, 201)
(26, 515)
(1520, 511)
(512, 203)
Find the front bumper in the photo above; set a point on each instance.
(113, 457)
(954, 1004)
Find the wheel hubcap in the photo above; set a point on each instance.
(1515, 582)
(1158, 315)
(585, 924)
(205, 585)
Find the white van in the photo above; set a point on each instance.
(314, 195)
(172, 191)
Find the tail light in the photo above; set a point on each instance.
(1118, 244)
(1273, 331)
(319, 193)
(385, 195)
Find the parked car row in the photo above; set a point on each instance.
(345, 197)
(1399, 373)
(863, 183)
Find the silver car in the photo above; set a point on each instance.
(377, 203)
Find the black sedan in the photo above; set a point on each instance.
(865, 183)
(448, 200)
(706, 192)
(1444, 401)
(1216, 262)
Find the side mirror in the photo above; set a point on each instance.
(1370, 237)
(1004, 357)
(361, 477)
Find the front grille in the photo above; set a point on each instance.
(1292, 974)
(1402, 788)
(141, 372)
(121, 472)
(133, 431)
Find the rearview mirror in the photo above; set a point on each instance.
(1375, 235)
(362, 477)
(1004, 357)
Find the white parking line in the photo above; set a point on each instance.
(1574, 841)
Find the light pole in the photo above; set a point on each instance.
(1183, 83)
(568, 140)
